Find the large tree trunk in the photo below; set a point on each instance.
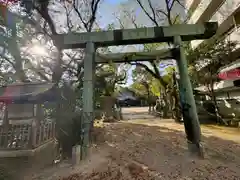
(65, 114)
(107, 104)
(149, 102)
(165, 104)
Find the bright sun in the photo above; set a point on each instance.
(38, 50)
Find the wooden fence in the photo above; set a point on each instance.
(25, 136)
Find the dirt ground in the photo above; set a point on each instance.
(154, 149)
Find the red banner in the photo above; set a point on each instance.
(230, 75)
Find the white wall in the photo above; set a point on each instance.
(198, 12)
(226, 10)
(188, 3)
(235, 36)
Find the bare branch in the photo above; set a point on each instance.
(75, 6)
(152, 9)
(38, 72)
(132, 18)
(8, 60)
(162, 12)
(89, 24)
(120, 22)
(145, 11)
(170, 5)
(43, 11)
(146, 68)
(94, 7)
(180, 4)
(69, 24)
(169, 11)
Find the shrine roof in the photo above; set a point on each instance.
(27, 92)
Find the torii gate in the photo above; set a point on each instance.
(174, 34)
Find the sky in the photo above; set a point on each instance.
(106, 11)
(114, 2)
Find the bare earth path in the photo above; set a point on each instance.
(154, 149)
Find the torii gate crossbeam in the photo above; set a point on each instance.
(174, 34)
(164, 54)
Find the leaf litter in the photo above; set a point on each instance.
(139, 152)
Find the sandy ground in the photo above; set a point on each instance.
(154, 149)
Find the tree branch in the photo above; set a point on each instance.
(43, 11)
(94, 7)
(169, 11)
(75, 6)
(89, 24)
(132, 18)
(162, 12)
(152, 9)
(145, 11)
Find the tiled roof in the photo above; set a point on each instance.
(26, 91)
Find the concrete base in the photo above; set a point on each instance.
(19, 164)
(76, 154)
(196, 150)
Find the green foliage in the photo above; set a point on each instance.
(139, 89)
(153, 46)
(141, 77)
(155, 87)
(111, 26)
(204, 62)
(108, 76)
(168, 74)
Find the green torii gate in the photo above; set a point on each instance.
(174, 34)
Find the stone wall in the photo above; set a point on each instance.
(22, 167)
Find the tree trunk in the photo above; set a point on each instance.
(176, 109)
(213, 97)
(165, 104)
(218, 116)
(149, 102)
(107, 104)
(65, 119)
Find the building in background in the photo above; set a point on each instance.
(227, 14)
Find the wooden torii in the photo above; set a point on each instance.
(174, 34)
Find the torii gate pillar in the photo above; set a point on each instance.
(88, 97)
(189, 110)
